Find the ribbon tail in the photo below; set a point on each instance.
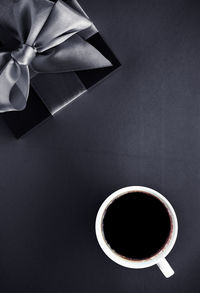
(14, 85)
(73, 55)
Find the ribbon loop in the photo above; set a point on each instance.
(24, 55)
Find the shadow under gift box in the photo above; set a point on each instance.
(49, 93)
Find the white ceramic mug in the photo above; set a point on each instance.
(159, 258)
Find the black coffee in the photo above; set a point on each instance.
(136, 225)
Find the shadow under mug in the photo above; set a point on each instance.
(157, 259)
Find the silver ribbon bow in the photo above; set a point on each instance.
(48, 34)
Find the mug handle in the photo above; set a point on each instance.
(165, 268)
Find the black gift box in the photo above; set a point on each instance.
(46, 92)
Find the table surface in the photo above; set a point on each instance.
(138, 127)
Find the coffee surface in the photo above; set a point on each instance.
(136, 225)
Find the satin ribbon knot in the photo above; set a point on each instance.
(51, 43)
(24, 55)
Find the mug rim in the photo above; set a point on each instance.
(131, 263)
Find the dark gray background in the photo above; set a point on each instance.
(141, 126)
